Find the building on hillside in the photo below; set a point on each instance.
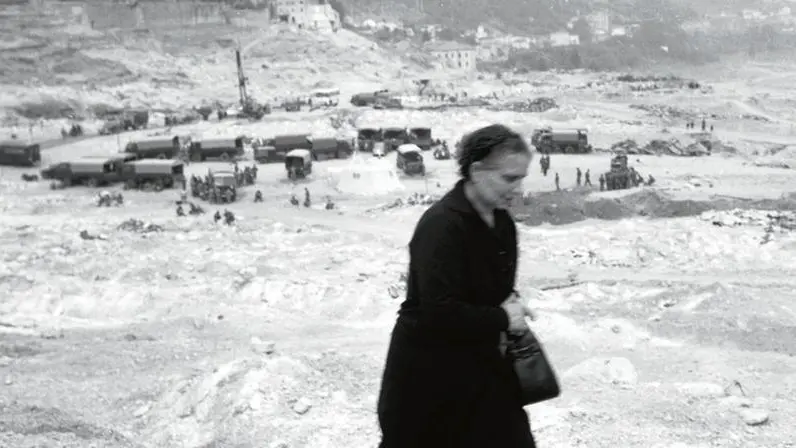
(563, 39)
(453, 55)
(312, 14)
(599, 22)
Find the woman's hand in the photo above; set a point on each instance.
(517, 312)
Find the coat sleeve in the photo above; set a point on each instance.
(439, 262)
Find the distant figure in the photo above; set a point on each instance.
(711, 128)
(602, 182)
(307, 201)
(180, 211)
(587, 178)
(258, 196)
(651, 180)
(294, 200)
(703, 125)
(558, 183)
(578, 176)
(229, 217)
(217, 216)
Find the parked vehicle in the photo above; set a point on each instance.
(394, 137)
(19, 153)
(320, 98)
(267, 154)
(155, 148)
(368, 98)
(298, 164)
(153, 174)
(421, 136)
(567, 141)
(410, 160)
(379, 150)
(225, 187)
(222, 148)
(88, 171)
(367, 137)
(329, 148)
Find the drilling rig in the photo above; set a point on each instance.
(249, 107)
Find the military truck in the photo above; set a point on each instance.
(89, 171)
(421, 137)
(369, 98)
(367, 137)
(325, 148)
(153, 174)
(267, 154)
(620, 175)
(124, 120)
(394, 137)
(566, 141)
(19, 153)
(221, 148)
(225, 187)
(155, 148)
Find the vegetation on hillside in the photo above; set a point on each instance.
(521, 17)
(654, 42)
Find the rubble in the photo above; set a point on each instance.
(670, 147)
(784, 220)
(412, 200)
(136, 225)
(541, 104)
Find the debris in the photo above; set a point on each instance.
(136, 225)
(301, 406)
(754, 417)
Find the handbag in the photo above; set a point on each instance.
(538, 381)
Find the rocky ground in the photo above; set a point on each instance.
(666, 332)
(667, 310)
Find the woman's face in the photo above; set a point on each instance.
(498, 177)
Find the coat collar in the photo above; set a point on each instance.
(456, 200)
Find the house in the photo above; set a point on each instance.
(453, 55)
(313, 14)
(563, 39)
(599, 22)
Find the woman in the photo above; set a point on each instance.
(446, 382)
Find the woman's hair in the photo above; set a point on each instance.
(479, 144)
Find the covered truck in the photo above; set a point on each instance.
(89, 171)
(221, 148)
(155, 148)
(567, 141)
(19, 153)
(153, 174)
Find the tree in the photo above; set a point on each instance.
(582, 29)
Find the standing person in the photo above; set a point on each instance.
(446, 382)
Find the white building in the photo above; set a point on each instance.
(453, 55)
(563, 39)
(312, 14)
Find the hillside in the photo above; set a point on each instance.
(518, 16)
(42, 61)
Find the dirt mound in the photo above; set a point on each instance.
(567, 207)
(671, 147)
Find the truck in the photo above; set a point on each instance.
(421, 137)
(394, 137)
(225, 187)
(155, 148)
(89, 171)
(19, 153)
(125, 120)
(565, 141)
(221, 148)
(367, 136)
(324, 148)
(153, 174)
(283, 144)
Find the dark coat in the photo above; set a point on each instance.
(446, 383)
